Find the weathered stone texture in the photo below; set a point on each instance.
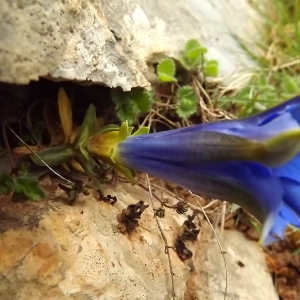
(77, 252)
(111, 42)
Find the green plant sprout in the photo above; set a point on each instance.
(23, 186)
(130, 104)
(166, 70)
(186, 101)
(192, 55)
(211, 68)
(191, 58)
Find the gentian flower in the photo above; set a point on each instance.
(253, 162)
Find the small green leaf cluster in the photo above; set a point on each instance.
(192, 58)
(186, 98)
(22, 185)
(130, 104)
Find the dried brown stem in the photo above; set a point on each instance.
(163, 237)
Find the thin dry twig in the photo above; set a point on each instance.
(208, 113)
(162, 122)
(203, 91)
(164, 238)
(218, 242)
(286, 65)
(164, 118)
(223, 215)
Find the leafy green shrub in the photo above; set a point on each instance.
(193, 57)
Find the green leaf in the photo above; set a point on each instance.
(107, 128)
(142, 98)
(166, 70)
(141, 130)
(87, 163)
(87, 128)
(130, 104)
(28, 188)
(187, 101)
(119, 97)
(193, 49)
(127, 112)
(192, 56)
(211, 68)
(53, 156)
(186, 108)
(6, 183)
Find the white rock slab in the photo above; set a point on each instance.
(111, 42)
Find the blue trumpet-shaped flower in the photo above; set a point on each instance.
(254, 162)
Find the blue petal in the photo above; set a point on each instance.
(289, 175)
(290, 170)
(187, 148)
(291, 197)
(247, 184)
(292, 106)
(289, 214)
(278, 227)
(285, 217)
